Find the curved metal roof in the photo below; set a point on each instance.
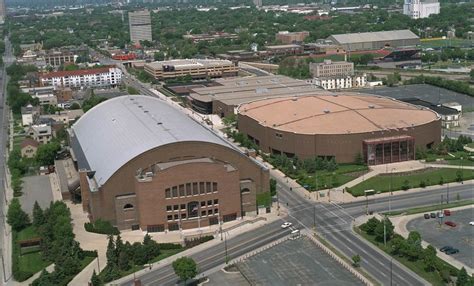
(119, 129)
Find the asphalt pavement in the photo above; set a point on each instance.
(332, 221)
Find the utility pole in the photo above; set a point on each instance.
(225, 245)
(447, 193)
(314, 217)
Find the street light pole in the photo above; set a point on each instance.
(447, 193)
(314, 217)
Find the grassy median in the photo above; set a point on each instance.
(417, 179)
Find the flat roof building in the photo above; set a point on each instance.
(140, 26)
(375, 40)
(418, 9)
(340, 126)
(225, 98)
(196, 68)
(143, 164)
(291, 37)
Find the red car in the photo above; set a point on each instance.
(450, 223)
(447, 212)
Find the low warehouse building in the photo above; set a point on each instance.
(375, 40)
(145, 165)
(382, 130)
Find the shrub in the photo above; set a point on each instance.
(198, 240)
(102, 227)
(406, 185)
(422, 184)
(167, 246)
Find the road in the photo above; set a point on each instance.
(5, 245)
(332, 221)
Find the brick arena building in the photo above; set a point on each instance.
(380, 129)
(145, 165)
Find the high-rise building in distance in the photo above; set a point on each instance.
(257, 3)
(140, 26)
(418, 9)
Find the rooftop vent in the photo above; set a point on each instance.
(145, 111)
(371, 106)
(326, 111)
(159, 123)
(294, 99)
(140, 106)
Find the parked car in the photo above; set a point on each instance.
(440, 214)
(452, 251)
(432, 215)
(471, 223)
(427, 216)
(450, 223)
(447, 212)
(445, 248)
(286, 225)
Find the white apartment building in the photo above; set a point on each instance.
(140, 26)
(109, 76)
(418, 9)
(341, 82)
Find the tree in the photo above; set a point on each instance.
(75, 106)
(46, 153)
(95, 279)
(111, 254)
(429, 258)
(370, 226)
(471, 74)
(16, 217)
(38, 215)
(356, 260)
(273, 187)
(463, 278)
(185, 268)
(159, 56)
(381, 231)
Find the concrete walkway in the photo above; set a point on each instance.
(94, 241)
(400, 224)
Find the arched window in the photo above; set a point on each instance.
(245, 190)
(128, 207)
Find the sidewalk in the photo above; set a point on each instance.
(7, 239)
(94, 241)
(271, 217)
(400, 223)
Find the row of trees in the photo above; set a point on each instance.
(448, 54)
(454, 85)
(411, 249)
(15, 97)
(295, 165)
(58, 243)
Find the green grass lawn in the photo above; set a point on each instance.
(32, 262)
(470, 145)
(381, 183)
(416, 266)
(446, 43)
(86, 261)
(28, 233)
(165, 253)
(324, 179)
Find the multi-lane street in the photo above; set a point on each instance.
(331, 221)
(5, 272)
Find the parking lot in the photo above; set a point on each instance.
(460, 237)
(299, 261)
(426, 92)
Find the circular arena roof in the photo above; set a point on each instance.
(336, 114)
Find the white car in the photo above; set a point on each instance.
(471, 223)
(286, 225)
